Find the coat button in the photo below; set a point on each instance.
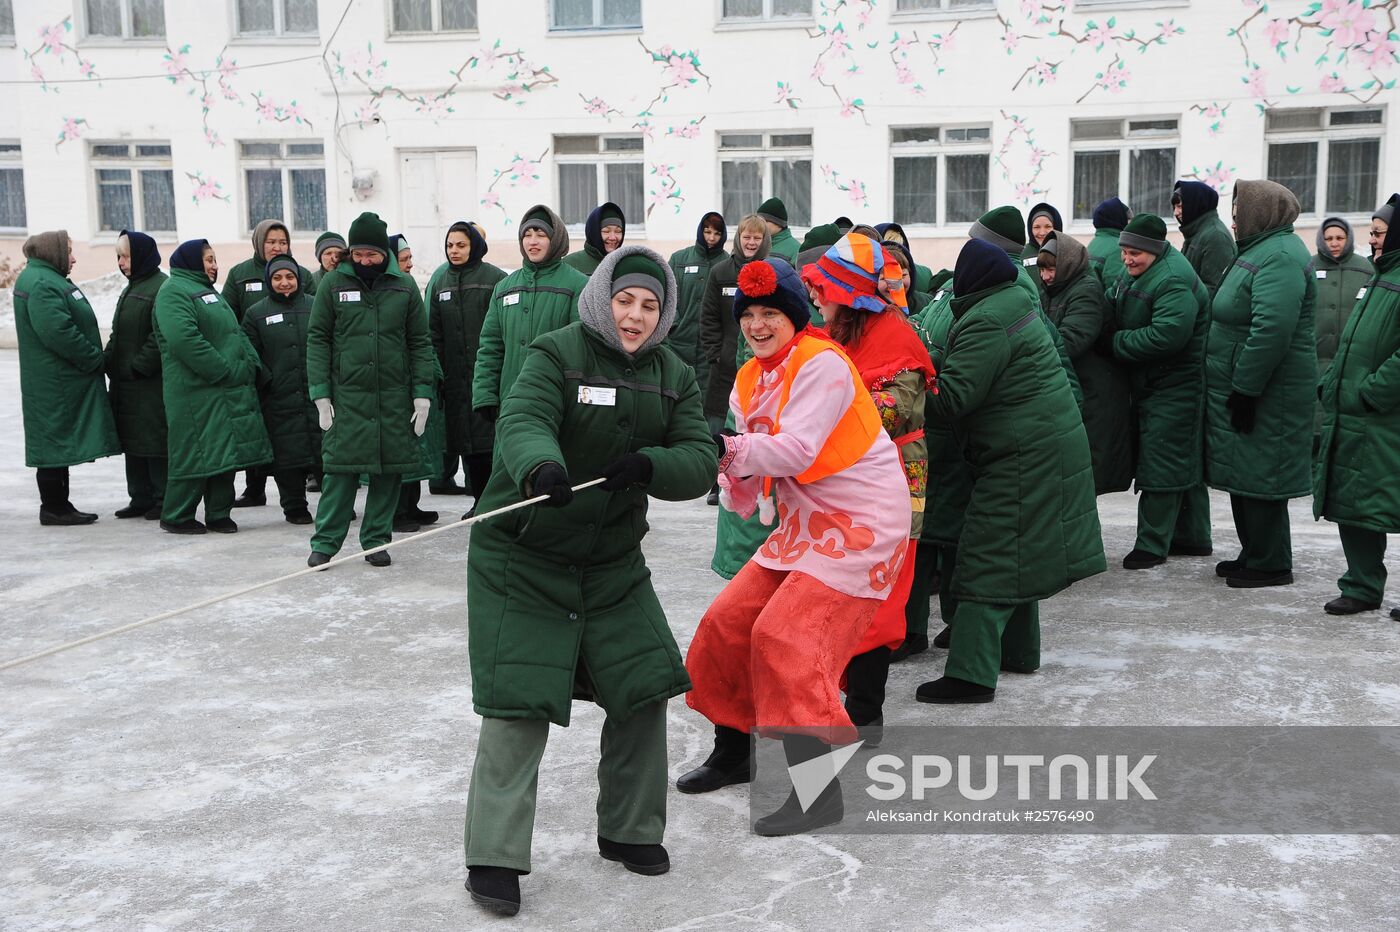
(593, 527)
(573, 568)
(573, 616)
(626, 371)
(623, 424)
(522, 342)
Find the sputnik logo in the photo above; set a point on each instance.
(811, 777)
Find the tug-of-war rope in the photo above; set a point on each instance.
(224, 597)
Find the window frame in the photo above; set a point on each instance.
(7, 39)
(552, 29)
(944, 13)
(87, 37)
(436, 33)
(600, 159)
(11, 161)
(286, 164)
(765, 153)
(1125, 144)
(941, 149)
(1323, 136)
(279, 34)
(135, 164)
(764, 20)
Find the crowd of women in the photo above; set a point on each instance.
(876, 434)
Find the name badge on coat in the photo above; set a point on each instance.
(595, 395)
(1028, 261)
(252, 286)
(1361, 294)
(729, 292)
(513, 298)
(274, 319)
(209, 298)
(1321, 273)
(78, 295)
(444, 296)
(350, 296)
(691, 269)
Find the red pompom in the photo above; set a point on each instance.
(757, 280)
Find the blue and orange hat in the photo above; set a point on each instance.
(850, 272)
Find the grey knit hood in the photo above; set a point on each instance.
(1261, 206)
(595, 302)
(1345, 227)
(50, 247)
(1071, 258)
(558, 239)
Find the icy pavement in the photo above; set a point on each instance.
(298, 758)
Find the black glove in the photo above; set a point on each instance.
(721, 447)
(632, 469)
(490, 412)
(1242, 409)
(551, 479)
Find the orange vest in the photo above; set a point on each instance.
(853, 435)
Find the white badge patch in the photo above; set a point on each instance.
(78, 294)
(594, 395)
(1321, 273)
(253, 286)
(444, 296)
(209, 298)
(939, 296)
(691, 269)
(729, 292)
(349, 296)
(511, 299)
(1028, 261)
(1361, 294)
(274, 319)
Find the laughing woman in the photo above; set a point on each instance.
(559, 599)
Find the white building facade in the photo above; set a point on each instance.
(197, 118)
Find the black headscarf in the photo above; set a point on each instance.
(190, 255)
(478, 243)
(145, 257)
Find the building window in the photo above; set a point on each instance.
(756, 166)
(276, 18)
(595, 14)
(278, 175)
(7, 22)
(434, 16)
(595, 169)
(762, 11)
(125, 19)
(1131, 159)
(940, 173)
(943, 6)
(1330, 159)
(11, 187)
(134, 186)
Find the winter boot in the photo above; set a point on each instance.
(730, 762)
(496, 888)
(913, 644)
(639, 859)
(944, 639)
(791, 818)
(1346, 605)
(1244, 578)
(866, 676)
(949, 690)
(1142, 560)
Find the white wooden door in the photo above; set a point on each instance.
(438, 187)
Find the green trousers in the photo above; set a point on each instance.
(916, 610)
(1365, 553)
(1266, 541)
(338, 503)
(632, 785)
(146, 478)
(182, 498)
(1165, 518)
(947, 563)
(986, 636)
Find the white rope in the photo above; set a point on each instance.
(164, 616)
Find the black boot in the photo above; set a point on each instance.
(64, 519)
(133, 511)
(944, 639)
(713, 497)
(1227, 568)
(826, 809)
(913, 644)
(730, 762)
(639, 859)
(1142, 560)
(866, 676)
(1244, 578)
(949, 690)
(1346, 605)
(496, 888)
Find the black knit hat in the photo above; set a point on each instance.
(774, 211)
(369, 232)
(1147, 232)
(638, 271)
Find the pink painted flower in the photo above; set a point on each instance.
(656, 199)
(1030, 9)
(1024, 191)
(1037, 156)
(689, 131)
(1256, 82)
(681, 70)
(1009, 40)
(1378, 52)
(228, 68)
(1276, 31)
(53, 38)
(87, 68)
(1045, 72)
(1099, 34)
(208, 101)
(856, 192)
(295, 112)
(175, 63)
(1116, 78)
(665, 51)
(1348, 20)
(492, 199)
(36, 72)
(212, 138)
(902, 74)
(848, 107)
(1331, 84)
(1213, 111)
(1167, 30)
(1219, 178)
(267, 110)
(903, 42)
(818, 70)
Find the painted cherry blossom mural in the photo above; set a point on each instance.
(1021, 160)
(55, 41)
(205, 189)
(72, 128)
(853, 189)
(664, 189)
(1217, 176)
(521, 172)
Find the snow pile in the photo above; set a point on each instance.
(102, 294)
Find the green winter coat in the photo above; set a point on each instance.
(1354, 481)
(585, 260)
(1159, 324)
(209, 370)
(559, 600)
(368, 352)
(786, 245)
(133, 369)
(245, 286)
(432, 446)
(1078, 308)
(67, 418)
(1033, 291)
(1262, 344)
(525, 305)
(457, 299)
(949, 473)
(277, 327)
(691, 266)
(1106, 258)
(1210, 248)
(1338, 282)
(1032, 527)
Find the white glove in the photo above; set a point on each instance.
(327, 412)
(420, 415)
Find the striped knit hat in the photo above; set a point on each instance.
(850, 270)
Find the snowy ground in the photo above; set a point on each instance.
(299, 758)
